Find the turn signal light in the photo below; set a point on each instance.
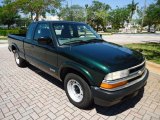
(111, 86)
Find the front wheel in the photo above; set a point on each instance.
(78, 91)
(19, 61)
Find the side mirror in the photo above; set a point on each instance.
(44, 40)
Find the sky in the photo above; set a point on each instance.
(112, 3)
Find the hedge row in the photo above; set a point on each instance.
(14, 31)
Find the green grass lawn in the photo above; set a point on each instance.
(150, 50)
(3, 37)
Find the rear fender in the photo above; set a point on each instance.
(14, 46)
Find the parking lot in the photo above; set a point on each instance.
(28, 93)
(132, 38)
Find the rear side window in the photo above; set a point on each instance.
(30, 32)
(42, 31)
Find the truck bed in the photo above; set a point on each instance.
(20, 37)
(18, 41)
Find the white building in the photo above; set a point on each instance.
(48, 17)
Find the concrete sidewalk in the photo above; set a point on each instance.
(3, 41)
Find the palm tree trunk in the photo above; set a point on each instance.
(9, 26)
(37, 16)
(149, 27)
(31, 15)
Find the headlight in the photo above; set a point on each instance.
(114, 76)
(117, 75)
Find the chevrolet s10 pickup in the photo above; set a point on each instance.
(91, 69)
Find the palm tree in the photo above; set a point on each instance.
(132, 7)
(158, 2)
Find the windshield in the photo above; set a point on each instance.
(69, 33)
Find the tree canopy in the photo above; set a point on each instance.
(8, 13)
(97, 14)
(158, 2)
(72, 13)
(152, 16)
(118, 16)
(38, 7)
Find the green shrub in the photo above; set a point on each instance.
(13, 31)
(22, 31)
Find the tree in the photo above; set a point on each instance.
(73, 13)
(118, 17)
(152, 16)
(8, 14)
(38, 7)
(140, 12)
(23, 22)
(97, 15)
(158, 2)
(132, 7)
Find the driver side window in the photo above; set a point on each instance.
(42, 31)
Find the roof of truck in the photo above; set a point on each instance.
(60, 21)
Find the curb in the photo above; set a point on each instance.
(155, 68)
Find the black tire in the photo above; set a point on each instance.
(19, 61)
(87, 99)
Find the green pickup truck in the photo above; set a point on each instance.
(92, 70)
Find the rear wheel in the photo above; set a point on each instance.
(19, 61)
(78, 91)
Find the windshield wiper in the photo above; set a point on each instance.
(74, 41)
(83, 41)
(95, 40)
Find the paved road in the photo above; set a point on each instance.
(132, 38)
(28, 93)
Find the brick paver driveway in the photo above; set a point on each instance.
(28, 93)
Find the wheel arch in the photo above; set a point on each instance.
(76, 69)
(14, 47)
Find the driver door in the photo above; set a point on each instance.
(44, 56)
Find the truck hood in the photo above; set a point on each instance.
(106, 55)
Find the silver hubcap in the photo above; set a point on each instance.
(75, 90)
(17, 58)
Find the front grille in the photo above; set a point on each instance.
(135, 78)
(137, 68)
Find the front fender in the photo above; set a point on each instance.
(78, 68)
